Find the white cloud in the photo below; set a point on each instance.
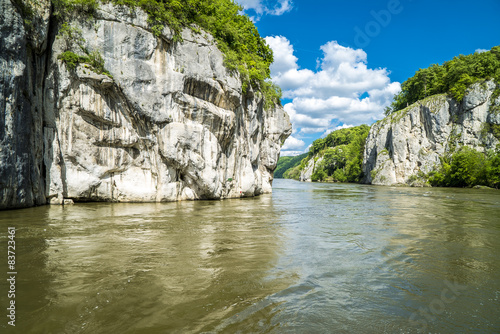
(282, 7)
(293, 143)
(343, 126)
(284, 59)
(291, 153)
(342, 90)
(481, 50)
(265, 7)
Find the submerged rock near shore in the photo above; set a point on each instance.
(166, 121)
(411, 141)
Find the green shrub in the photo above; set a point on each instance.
(96, 62)
(73, 39)
(466, 168)
(318, 175)
(339, 176)
(495, 130)
(66, 8)
(71, 59)
(27, 13)
(492, 170)
(292, 173)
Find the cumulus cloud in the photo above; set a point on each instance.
(265, 7)
(291, 153)
(343, 126)
(481, 50)
(342, 90)
(293, 143)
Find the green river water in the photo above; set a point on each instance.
(310, 258)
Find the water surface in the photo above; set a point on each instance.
(310, 258)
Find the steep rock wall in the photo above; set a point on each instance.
(412, 140)
(22, 64)
(308, 171)
(170, 123)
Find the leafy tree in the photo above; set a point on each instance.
(292, 173)
(492, 170)
(453, 77)
(318, 175)
(334, 158)
(466, 168)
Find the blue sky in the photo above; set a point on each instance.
(339, 62)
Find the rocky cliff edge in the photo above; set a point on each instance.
(166, 122)
(412, 140)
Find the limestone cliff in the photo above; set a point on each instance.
(307, 172)
(169, 123)
(412, 140)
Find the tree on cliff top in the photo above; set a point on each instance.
(453, 77)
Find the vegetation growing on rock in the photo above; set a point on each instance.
(466, 168)
(74, 40)
(342, 156)
(237, 37)
(453, 77)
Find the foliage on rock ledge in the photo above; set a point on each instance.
(453, 77)
(73, 38)
(237, 37)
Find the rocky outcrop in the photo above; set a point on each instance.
(307, 172)
(169, 123)
(412, 140)
(21, 78)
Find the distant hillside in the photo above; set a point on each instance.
(335, 158)
(286, 163)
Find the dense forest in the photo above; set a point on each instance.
(341, 154)
(286, 163)
(453, 77)
(237, 37)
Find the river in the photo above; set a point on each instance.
(310, 258)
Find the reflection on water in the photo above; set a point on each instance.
(310, 258)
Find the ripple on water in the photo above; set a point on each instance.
(310, 258)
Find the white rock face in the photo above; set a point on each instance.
(307, 172)
(171, 124)
(412, 140)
